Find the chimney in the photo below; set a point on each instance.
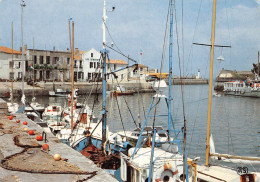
(68, 50)
(77, 51)
(25, 47)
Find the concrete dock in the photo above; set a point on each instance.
(23, 158)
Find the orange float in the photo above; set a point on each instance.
(45, 147)
(39, 138)
(11, 117)
(25, 123)
(31, 132)
(18, 121)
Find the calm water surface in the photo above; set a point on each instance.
(235, 120)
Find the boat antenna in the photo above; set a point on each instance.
(33, 69)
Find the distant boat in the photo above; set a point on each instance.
(242, 88)
(121, 90)
(58, 93)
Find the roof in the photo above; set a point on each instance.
(244, 72)
(82, 52)
(9, 50)
(141, 65)
(77, 57)
(113, 61)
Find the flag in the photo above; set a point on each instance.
(141, 53)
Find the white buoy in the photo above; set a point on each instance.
(57, 157)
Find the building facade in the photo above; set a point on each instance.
(6, 64)
(128, 73)
(92, 65)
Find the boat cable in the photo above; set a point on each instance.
(86, 101)
(124, 97)
(114, 44)
(120, 52)
(120, 115)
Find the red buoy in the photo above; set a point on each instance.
(31, 132)
(39, 138)
(18, 121)
(45, 147)
(25, 123)
(11, 117)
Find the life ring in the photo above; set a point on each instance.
(166, 172)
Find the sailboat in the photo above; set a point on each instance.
(161, 160)
(219, 173)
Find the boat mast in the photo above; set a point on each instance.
(72, 76)
(211, 79)
(104, 52)
(170, 68)
(258, 66)
(33, 67)
(22, 6)
(12, 97)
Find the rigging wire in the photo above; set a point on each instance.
(125, 100)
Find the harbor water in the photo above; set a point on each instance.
(235, 122)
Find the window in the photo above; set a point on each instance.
(48, 74)
(11, 76)
(141, 69)
(89, 76)
(20, 74)
(48, 60)
(114, 66)
(10, 64)
(56, 59)
(80, 64)
(41, 59)
(19, 65)
(91, 65)
(68, 61)
(35, 59)
(122, 76)
(92, 55)
(94, 64)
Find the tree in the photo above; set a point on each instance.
(255, 68)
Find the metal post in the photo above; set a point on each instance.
(151, 160)
(211, 79)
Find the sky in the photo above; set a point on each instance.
(137, 25)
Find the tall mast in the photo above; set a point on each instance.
(72, 75)
(170, 68)
(104, 52)
(104, 24)
(33, 67)
(12, 97)
(22, 6)
(211, 79)
(258, 66)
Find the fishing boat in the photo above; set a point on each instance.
(211, 172)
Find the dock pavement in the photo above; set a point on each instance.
(24, 159)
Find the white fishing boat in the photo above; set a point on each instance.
(58, 93)
(242, 88)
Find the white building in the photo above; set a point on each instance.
(91, 65)
(6, 64)
(125, 74)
